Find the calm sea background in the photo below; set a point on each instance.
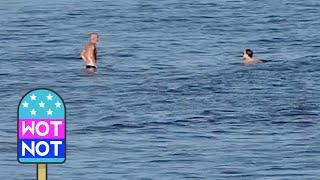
(171, 99)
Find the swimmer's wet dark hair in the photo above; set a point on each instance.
(249, 52)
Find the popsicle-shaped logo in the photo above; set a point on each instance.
(41, 127)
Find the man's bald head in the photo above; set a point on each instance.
(94, 37)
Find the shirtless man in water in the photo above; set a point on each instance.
(89, 52)
(248, 57)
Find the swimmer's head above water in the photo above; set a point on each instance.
(248, 57)
(247, 54)
(94, 38)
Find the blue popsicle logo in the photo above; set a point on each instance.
(41, 127)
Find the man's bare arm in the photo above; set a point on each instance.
(82, 55)
(90, 54)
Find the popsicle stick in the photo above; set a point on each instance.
(42, 171)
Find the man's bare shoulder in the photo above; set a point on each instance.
(90, 46)
(256, 61)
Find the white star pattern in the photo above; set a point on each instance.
(58, 104)
(25, 104)
(49, 97)
(33, 97)
(33, 112)
(49, 112)
(41, 104)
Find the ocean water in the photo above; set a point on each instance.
(171, 98)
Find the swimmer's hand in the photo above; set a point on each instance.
(82, 55)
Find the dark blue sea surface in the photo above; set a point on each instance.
(171, 98)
